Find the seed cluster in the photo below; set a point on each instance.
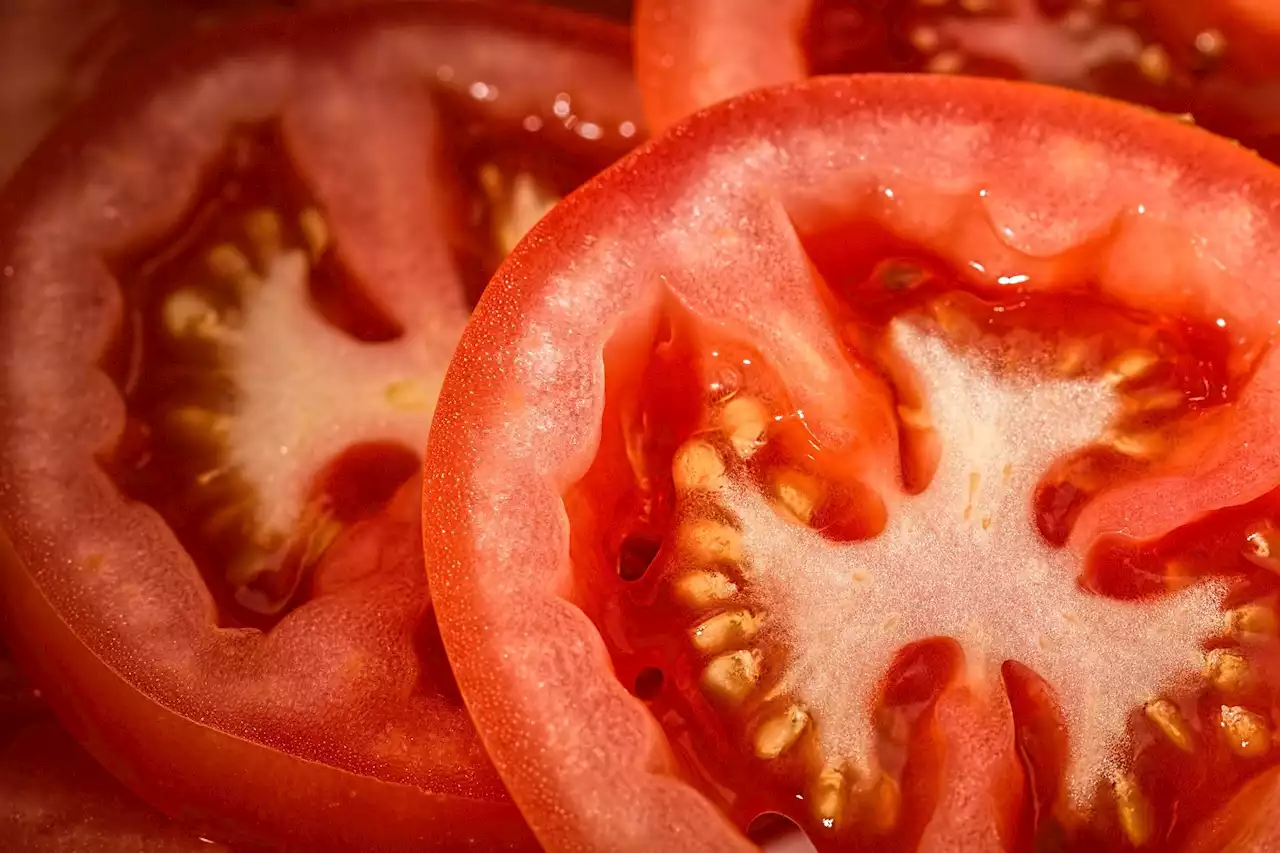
(963, 560)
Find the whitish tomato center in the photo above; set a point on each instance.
(275, 399)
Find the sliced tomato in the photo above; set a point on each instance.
(785, 469)
(231, 285)
(1214, 62)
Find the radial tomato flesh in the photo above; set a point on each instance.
(1214, 62)
(230, 289)
(888, 454)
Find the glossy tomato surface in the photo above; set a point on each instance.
(231, 284)
(893, 456)
(1215, 62)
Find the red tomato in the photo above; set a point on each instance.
(231, 285)
(892, 454)
(1216, 61)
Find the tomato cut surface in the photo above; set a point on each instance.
(1215, 62)
(884, 453)
(231, 286)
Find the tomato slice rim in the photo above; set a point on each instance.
(504, 446)
(89, 191)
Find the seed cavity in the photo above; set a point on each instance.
(1245, 732)
(635, 556)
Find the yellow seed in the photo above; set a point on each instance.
(1227, 670)
(725, 630)
(1246, 733)
(527, 201)
(977, 7)
(1164, 400)
(827, 796)
(228, 263)
(697, 465)
(1169, 720)
(1142, 446)
(710, 541)
(1072, 357)
(732, 676)
(188, 314)
(1262, 546)
(744, 420)
(1133, 810)
(780, 732)
(1154, 63)
(925, 39)
(946, 62)
(315, 231)
(194, 422)
(882, 805)
(702, 587)
(263, 228)
(798, 494)
(1254, 618)
(408, 395)
(1131, 365)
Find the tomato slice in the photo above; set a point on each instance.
(884, 453)
(1215, 62)
(232, 284)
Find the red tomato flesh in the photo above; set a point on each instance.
(231, 288)
(885, 453)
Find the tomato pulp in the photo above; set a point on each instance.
(1211, 62)
(231, 284)
(890, 455)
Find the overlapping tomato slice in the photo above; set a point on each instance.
(1212, 62)
(888, 455)
(230, 288)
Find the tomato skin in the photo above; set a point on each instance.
(330, 731)
(694, 216)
